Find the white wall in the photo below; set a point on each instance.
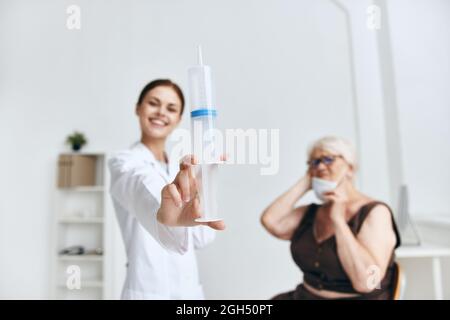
(420, 47)
(420, 33)
(277, 64)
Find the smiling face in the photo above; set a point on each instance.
(328, 166)
(159, 112)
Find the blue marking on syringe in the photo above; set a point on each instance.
(203, 112)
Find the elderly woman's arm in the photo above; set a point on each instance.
(365, 257)
(280, 218)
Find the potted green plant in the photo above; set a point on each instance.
(76, 140)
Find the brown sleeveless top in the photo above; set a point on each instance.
(320, 263)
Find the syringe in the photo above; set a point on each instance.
(203, 120)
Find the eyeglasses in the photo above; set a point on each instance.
(326, 160)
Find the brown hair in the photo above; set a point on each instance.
(164, 83)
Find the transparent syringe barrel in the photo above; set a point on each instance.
(200, 88)
(203, 125)
(206, 177)
(203, 114)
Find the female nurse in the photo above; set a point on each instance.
(155, 203)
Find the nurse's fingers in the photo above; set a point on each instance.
(196, 209)
(188, 161)
(175, 195)
(193, 182)
(217, 225)
(184, 185)
(187, 164)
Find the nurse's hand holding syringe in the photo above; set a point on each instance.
(180, 205)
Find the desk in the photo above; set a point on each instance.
(433, 252)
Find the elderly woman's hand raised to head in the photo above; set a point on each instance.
(348, 227)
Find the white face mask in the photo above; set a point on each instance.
(320, 186)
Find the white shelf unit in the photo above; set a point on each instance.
(83, 217)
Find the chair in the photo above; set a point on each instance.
(398, 287)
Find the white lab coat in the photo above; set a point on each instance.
(161, 259)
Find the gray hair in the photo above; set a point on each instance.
(337, 146)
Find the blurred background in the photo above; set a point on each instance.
(377, 72)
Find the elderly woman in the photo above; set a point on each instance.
(345, 246)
